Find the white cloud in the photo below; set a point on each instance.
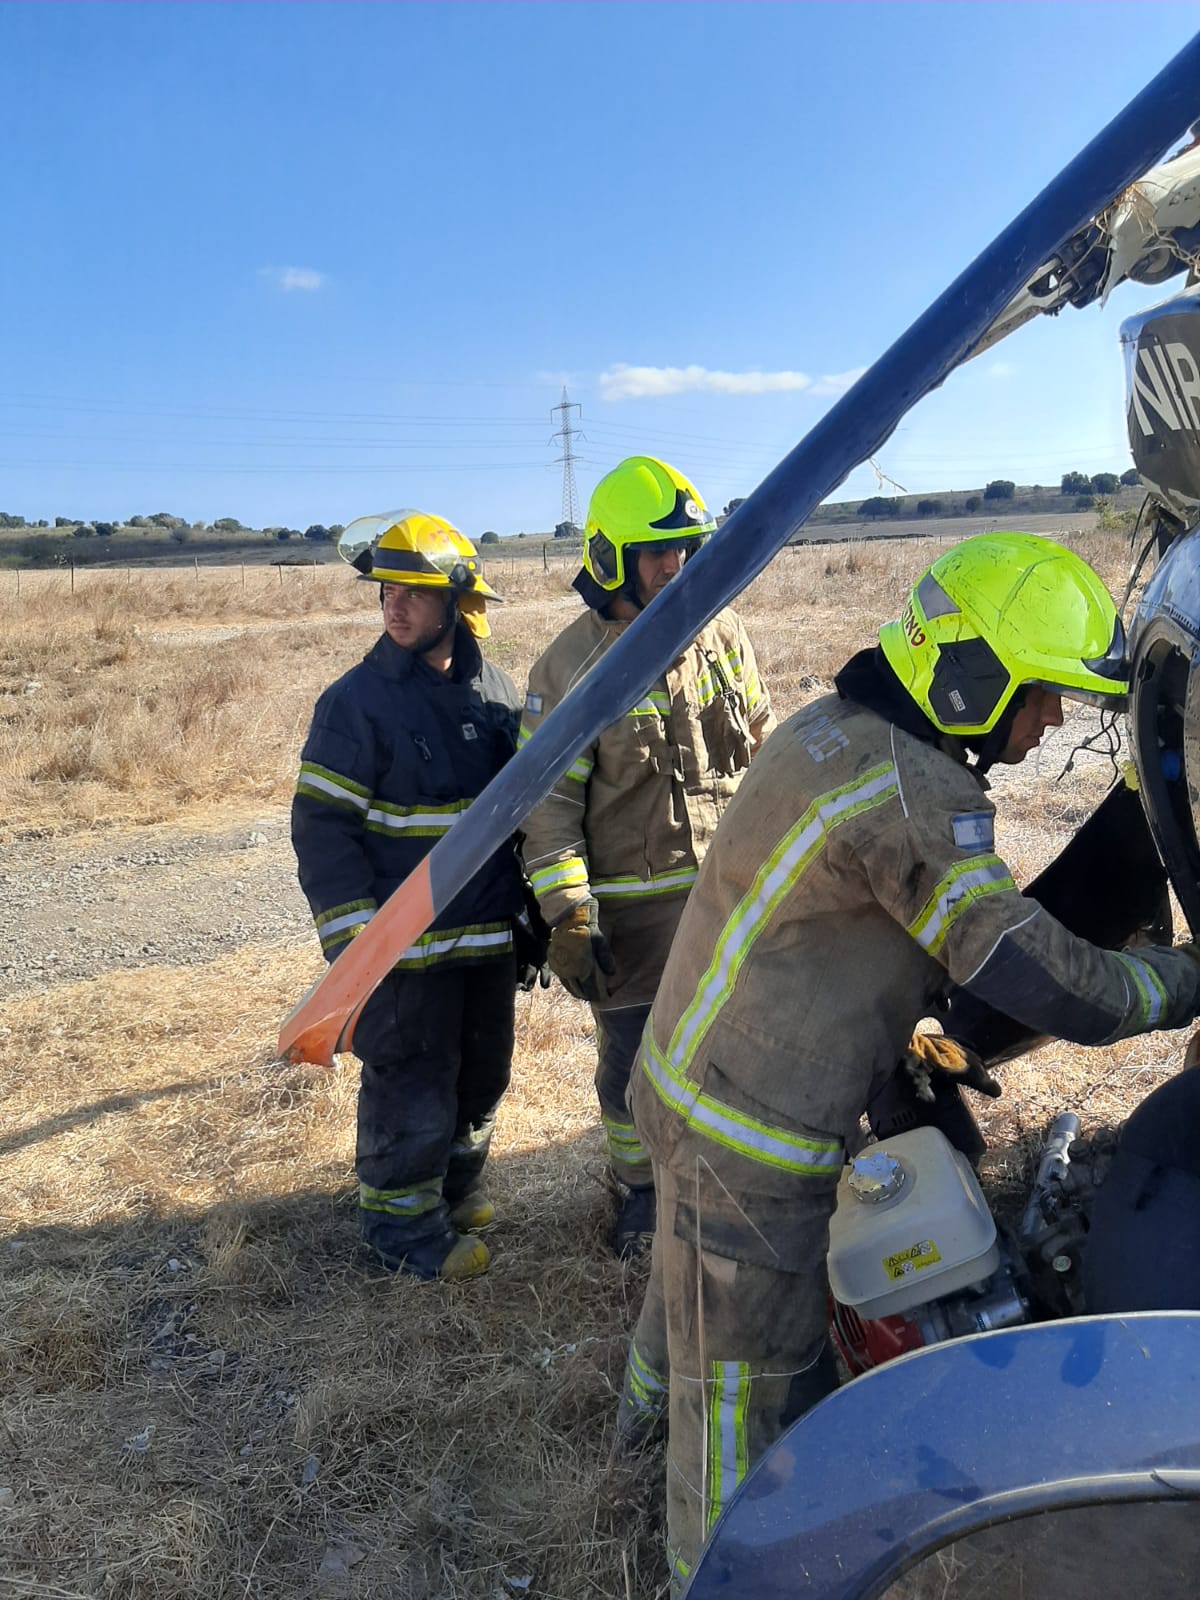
(621, 382)
(1002, 369)
(289, 278)
(837, 382)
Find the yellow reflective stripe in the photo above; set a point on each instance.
(633, 888)
(655, 703)
(648, 1386)
(417, 822)
(568, 874)
(775, 879)
(728, 1460)
(623, 1142)
(580, 769)
(966, 882)
(1151, 995)
(343, 922)
(759, 1141)
(322, 783)
(452, 944)
(414, 1201)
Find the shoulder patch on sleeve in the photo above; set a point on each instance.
(974, 830)
(533, 703)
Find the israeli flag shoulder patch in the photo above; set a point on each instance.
(974, 830)
(533, 703)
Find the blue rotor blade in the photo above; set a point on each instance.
(850, 432)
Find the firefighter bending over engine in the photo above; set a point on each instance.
(853, 878)
(614, 848)
(397, 750)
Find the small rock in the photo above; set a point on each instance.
(253, 840)
(338, 1559)
(7, 1497)
(139, 1443)
(310, 1469)
(32, 686)
(173, 1265)
(247, 1449)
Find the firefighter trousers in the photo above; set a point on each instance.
(436, 1052)
(739, 1286)
(618, 1035)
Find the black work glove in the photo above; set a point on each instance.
(579, 955)
(928, 1053)
(531, 941)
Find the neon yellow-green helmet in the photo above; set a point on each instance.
(999, 611)
(642, 502)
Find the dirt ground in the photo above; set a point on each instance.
(199, 1395)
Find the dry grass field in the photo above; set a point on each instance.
(200, 1396)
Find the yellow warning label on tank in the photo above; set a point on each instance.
(915, 1259)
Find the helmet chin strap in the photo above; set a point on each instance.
(992, 745)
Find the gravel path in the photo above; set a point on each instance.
(152, 897)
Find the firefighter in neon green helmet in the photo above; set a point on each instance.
(995, 617)
(614, 848)
(642, 507)
(853, 881)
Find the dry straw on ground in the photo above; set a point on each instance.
(200, 1394)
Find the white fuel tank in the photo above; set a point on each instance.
(911, 1225)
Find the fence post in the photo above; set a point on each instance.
(71, 564)
(196, 562)
(243, 577)
(18, 583)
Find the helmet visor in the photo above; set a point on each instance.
(1112, 667)
(688, 544)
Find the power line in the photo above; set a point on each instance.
(570, 506)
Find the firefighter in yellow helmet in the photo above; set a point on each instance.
(852, 880)
(614, 848)
(398, 749)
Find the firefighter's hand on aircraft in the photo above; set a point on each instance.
(928, 1053)
(579, 955)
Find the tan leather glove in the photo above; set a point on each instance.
(579, 955)
(928, 1053)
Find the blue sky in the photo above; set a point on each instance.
(299, 262)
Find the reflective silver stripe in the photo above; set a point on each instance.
(1152, 996)
(568, 874)
(778, 873)
(311, 778)
(401, 817)
(760, 1141)
(352, 919)
(963, 885)
(463, 941)
(727, 1455)
(657, 883)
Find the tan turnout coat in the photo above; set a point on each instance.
(852, 878)
(630, 821)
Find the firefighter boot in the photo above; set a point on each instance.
(450, 1257)
(635, 1220)
(473, 1211)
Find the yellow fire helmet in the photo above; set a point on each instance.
(641, 502)
(999, 611)
(420, 550)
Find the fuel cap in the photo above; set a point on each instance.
(876, 1176)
